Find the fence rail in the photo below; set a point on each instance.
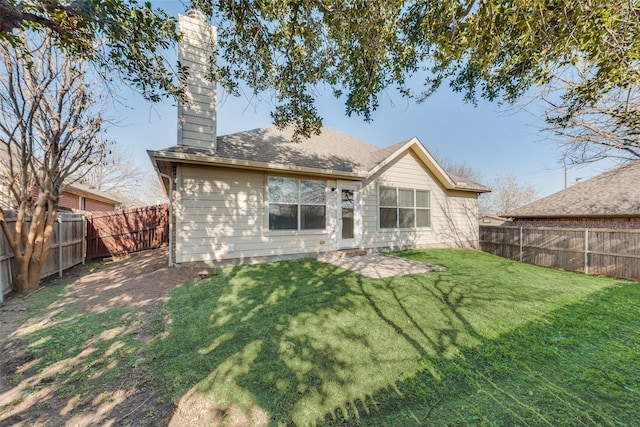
(67, 250)
(613, 253)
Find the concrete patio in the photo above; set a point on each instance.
(379, 266)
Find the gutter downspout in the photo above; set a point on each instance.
(163, 175)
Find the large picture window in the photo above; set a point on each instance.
(404, 208)
(296, 204)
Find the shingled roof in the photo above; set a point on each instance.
(85, 190)
(331, 152)
(615, 193)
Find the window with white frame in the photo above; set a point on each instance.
(404, 208)
(296, 204)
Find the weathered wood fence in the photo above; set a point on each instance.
(98, 235)
(67, 250)
(127, 231)
(613, 253)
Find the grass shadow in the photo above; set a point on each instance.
(290, 342)
(61, 364)
(578, 365)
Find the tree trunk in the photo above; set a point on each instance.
(41, 247)
(35, 271)
(22, 275)
(31, 258)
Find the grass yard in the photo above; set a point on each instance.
(488, 342)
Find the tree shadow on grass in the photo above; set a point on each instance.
(264, 340)
(577, 366)
(61, 369)
(290, 342)
(75, 351)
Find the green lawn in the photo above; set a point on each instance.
(488, 342)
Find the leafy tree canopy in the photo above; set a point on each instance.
(123, 38)
(493, 49)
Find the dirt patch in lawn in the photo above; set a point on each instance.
(30, 394)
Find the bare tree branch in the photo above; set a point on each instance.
(49, 129)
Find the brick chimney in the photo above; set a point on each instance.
(197, 113)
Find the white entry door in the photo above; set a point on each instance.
(349, 215)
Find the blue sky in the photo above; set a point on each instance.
(490, 139)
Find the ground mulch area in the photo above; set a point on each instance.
(140, 283)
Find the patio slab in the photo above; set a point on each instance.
(378, 266)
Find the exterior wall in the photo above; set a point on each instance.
(453, 213)
(609, 223)
(221, 215)
(96, 206)
(75, 202)
(68, 200)
(5, 199)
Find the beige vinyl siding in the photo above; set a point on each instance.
(221, 215)
(453, 213)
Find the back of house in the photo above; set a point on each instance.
(257, 195)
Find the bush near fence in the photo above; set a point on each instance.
(612, 253)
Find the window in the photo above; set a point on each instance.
(296, 204)
(404, 208)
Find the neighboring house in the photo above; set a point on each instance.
(256, 195)
(82, 197)
(76, 197)
(608, 200)
(492, 219)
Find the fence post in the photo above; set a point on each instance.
(586, 251)
(59, 246)
(521, 242)
(84, 238)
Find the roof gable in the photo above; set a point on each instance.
(613, 193)
(449, 181)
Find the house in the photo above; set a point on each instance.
(608, 200)
(82, 197)
(492, 219)
(75, 197)
(256, 195)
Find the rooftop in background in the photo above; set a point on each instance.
(615, 193)
(85, 190)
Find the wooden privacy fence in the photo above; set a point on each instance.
(67, 250)
(613, 253)
(131, 230)
(102, 234)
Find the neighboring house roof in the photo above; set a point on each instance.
(87, 191)
(330, 153)
(615, 193)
